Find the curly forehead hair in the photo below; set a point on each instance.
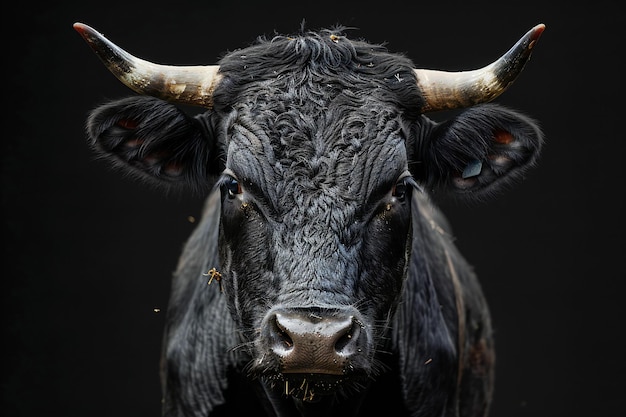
(326, 56)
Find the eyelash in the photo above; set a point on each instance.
(402, 187)
(231, 185)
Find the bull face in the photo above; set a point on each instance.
(314, 236)
(321, 152)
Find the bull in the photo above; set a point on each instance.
(340, 287)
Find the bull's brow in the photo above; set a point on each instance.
(253, 189)
(249, 184)
(385, 186)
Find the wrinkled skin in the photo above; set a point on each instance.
(338, 286)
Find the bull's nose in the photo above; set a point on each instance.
(308, 342)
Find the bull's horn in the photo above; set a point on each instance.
(452, 90)
(182, 84)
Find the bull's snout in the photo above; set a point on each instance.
(313, 342)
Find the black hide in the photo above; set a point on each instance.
(334, 281)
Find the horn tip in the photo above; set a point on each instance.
(80, 27)
(86, 31)
(536, 32)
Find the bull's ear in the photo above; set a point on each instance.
(154, 140)
(477, 152)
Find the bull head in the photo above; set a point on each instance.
(335, 265)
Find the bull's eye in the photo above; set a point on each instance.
(401, 189)
(232, 187)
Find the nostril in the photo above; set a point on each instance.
(347, 339)
(282, 342)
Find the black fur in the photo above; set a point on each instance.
(322, 167)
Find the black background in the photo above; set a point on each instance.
(88, 253)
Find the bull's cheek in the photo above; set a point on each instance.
(241, 303)
(229, 281)
(385, 257)
(242, 269)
